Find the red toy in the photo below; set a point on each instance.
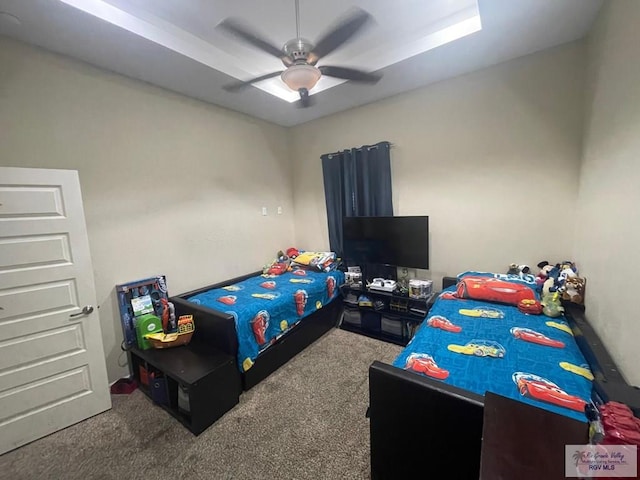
(541, 389)
(493, 290)
(424, 363)
(277, 268)
(532, 336)
(444, 324)
(532, 307)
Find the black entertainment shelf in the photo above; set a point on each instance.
(394, 322)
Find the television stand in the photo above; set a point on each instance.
(392, 317)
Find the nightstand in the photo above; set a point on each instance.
(197, 384)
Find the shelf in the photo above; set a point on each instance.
(390, 295)
(375, 327)
(387, 337)
(209, 378)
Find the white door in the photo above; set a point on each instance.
(52, 365)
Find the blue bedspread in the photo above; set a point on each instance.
(265, 307)
(480, 346)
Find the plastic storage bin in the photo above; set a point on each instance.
(391, 325)
(352, 317)
(371, 321)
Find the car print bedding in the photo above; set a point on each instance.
(267, 306)
(486, 346)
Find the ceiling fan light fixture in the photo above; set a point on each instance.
(301, 76)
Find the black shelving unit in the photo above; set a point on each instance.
(196, 384)
(390, 324)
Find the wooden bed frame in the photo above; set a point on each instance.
(417, 423)
(217, 329)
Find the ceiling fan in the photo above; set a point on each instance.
(300, 56)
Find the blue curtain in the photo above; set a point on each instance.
(357, 183)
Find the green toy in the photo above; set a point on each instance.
(146, 324)
(551, 305)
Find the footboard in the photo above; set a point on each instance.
(213, 327)
(419, 426)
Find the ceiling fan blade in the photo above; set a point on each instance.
(305, 100)
(253, 38)
(350, 74)
(236, 86)
(339, 34)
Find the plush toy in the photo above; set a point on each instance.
(574, 290)
(292, 252)
(548, 277)
(515, 269)
(280, 265)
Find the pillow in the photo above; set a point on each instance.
(320, 261)
(495, 288)
(522, 278)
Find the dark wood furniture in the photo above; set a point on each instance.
(440, 419)
(525, 442)
(390, 323)
(208, 379)
(217, 329)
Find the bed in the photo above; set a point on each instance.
(264, 320)
(430, 401)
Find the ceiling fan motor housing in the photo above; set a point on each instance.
(298, 49)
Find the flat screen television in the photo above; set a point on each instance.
(398, 241)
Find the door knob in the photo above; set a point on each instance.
(86, 310)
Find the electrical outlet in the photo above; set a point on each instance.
(264, 211)
(279, 210)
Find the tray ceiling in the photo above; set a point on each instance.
(175, 45)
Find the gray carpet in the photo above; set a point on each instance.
(306, 421)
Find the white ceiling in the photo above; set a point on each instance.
(173, 44)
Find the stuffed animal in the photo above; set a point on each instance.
(280, 265)
(548, 277)
(574, 290)
(551, 305)
(515, 269)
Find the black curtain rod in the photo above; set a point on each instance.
(368, 147)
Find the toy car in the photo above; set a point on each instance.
(532, 336)
(443, 323)
(424, 363)
(480, 348)
(493, 290)
(481, 312)
(538, 388)
(533, 307)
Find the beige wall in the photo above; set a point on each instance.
(608, 219)
(492, 157)
(170, 185)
